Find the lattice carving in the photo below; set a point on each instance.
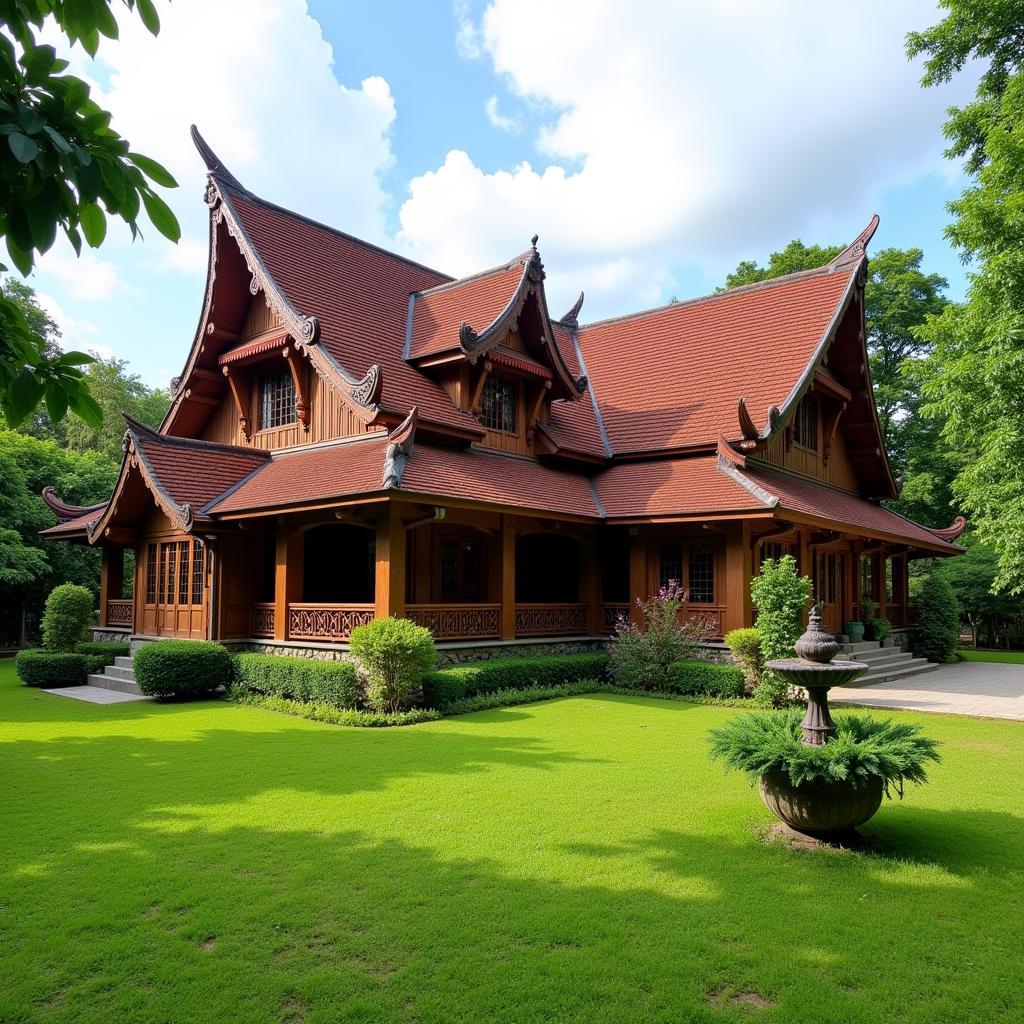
(612, 615)
(120, 612)
(326, 622)
(551, 620)
(458, 622)
(263, 620)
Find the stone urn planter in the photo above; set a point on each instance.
(821, 807)
(855, 631)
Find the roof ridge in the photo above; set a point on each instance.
(740, 289)
(198, 444)
(479, 275)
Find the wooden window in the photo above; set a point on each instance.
(702, 576)
(198, 552)
(498, 405)
(150, 574)
(183, 565)
(827, 584)
(805, 424)
(670, 564)
(277, 400)
(462, 570)
(171, 551)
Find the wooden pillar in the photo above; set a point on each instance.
(739, 567)
(638, 583)
(882, 557)
(508, 578)
(389, 592)
(805, 566)
(287, 575)
(104, 583)
(590, 582)
(139, 588)
(111, 578)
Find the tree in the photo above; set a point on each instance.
(989, 614)
(781, 596)
(62, 166)
(975, 377)
(795, 257)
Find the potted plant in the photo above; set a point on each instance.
(867, 618)
(855, 631)
(831, 788)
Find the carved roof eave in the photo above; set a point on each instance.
(398, 450)
(134, 459)
(950, 533)
(475, 344)
(361, 394)
(65, 512)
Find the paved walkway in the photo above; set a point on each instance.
(980, 688)
(96, 694)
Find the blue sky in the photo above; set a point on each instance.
(652, 145)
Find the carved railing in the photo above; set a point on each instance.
(262, 620)
(120, 612)
(897, 615)
(545, 619)
(457, 621)
(610, 616)
(710, 615)
(326, 622)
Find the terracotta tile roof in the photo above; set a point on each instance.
(252, 348)
(497, 480)
(73, 526)
(305, 477)
(194, 472)
(479, 300)
(574, 425)
(359, 293)
(685, 486)
(671, 377)
(805, 496)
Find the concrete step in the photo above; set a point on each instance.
(117, 672)
(123, 662)
(861, 647)
(886, 656)
(105, 682)
(915, 666)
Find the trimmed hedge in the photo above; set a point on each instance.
(329, 682)
(38, 667)
(457, 682)
(66, 617)
(181, 668)
(109, 649)
(705, 678)
(318, 711)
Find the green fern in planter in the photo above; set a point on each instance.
(863, 747)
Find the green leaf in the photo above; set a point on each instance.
(25, 150)
(56, 402)
(42, 223)
(19, 257)
(74, 238)
(94, 224)
(154, 171)
(58, 140)
(161, 215)
(86, 407)
(147, 12)
(22, 397)
(74, 359)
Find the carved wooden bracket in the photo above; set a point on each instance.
(240, 393)
(531, 420)
(830, 434)
(478, 391)
(299, 380)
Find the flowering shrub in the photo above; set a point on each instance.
(781, 595)
(640, 655)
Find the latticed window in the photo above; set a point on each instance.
(670, 564)
(171, 550)
(198, 552)
(151, 574)
(805, 424)
(498, 405)
(277, 400)
(702, 576)
(183, 564)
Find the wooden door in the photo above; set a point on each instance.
(828, 588)
(176, 588)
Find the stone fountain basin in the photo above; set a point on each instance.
(812, 673)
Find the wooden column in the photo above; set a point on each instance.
(882, 557)
(638, 582)
(104, 583)
(287, 575)
(508, 578)
(590, 582)
(389, 593)
(739, 567)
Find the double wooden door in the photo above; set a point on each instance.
(829, 587)
(176, 588)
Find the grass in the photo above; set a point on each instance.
(576, 860)
(1003, 657)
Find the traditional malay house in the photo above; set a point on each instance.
(356, 435)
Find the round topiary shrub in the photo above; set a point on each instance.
(67, 617)
(396, 654)
(936, 632)
(181, 668)
(745, 645)
(37, 667)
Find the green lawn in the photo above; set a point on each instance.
(1005, 657)
(577, 860)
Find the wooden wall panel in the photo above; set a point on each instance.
(839, 471)
(259, 319)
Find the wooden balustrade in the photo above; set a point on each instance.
(897, 615)
(457, 621)
(326, 622)
(611, 615)
(120, 612)
(551, 619)
(711, 615)
(263, 620)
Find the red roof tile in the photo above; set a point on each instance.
(359, 293)
(574, 425)
(479, 300)
(687, 486)
(73, 526)
(497, 480)
(314, 475)
(671, 377)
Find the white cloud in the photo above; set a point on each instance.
(87, 277)
(258, 80)
(76, 335)
(498, 119)
(684, 134)
(468, 43)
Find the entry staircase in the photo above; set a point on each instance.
(118, 676)
(884, 663)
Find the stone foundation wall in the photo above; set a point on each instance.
(715, 651)
(110, 634)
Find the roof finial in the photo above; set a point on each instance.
(533, 241)
(214, 165)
